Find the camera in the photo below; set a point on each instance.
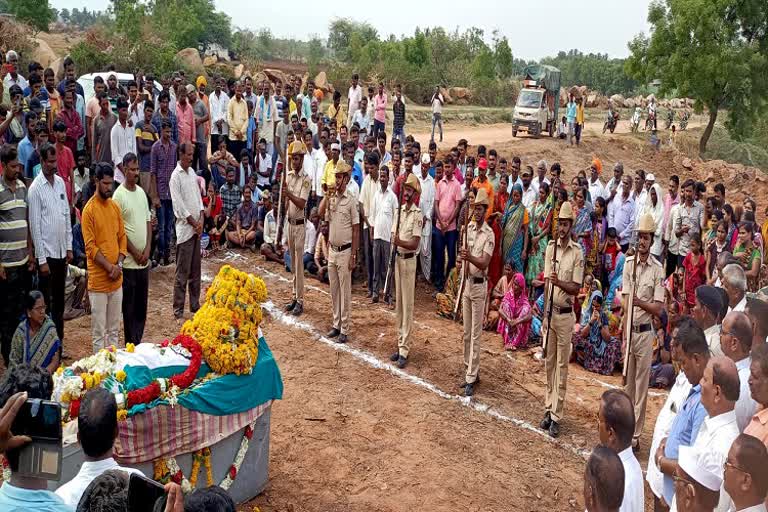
(41, 421)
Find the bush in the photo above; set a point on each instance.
(494, 92)
(16, 36)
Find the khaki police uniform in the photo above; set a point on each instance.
(342, 214)
(480, 241)
(649, 288)
(570, 268)
(298, 184)
(411, 223)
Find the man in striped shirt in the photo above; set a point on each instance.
(14, 246)
(51, 230)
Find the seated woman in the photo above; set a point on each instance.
(515, 315)
(446, 301)
(214, 223)
(221, 160)
(35, 341)
(662, 372)
(538, 315)
(497, 295)
(593, 346)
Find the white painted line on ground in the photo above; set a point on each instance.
(372, 361)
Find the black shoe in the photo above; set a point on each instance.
(298, 310)
(394, 357)
(469, 390)
(369, 295)
(546, 422)
(333, 333)
(554, 429)
(375, 299)
(401, 362)
(342, 338)
(290, 307)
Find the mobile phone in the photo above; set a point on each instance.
(143, 493)
(41, 421)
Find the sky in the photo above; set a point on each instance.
(534, 28)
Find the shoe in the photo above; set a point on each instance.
(369, 295)
(333, 333)
(401, 362)
(463, 384)
(554, 429)
(375, 299)
(342, 338)
(394, 357)
(291, 306)
(546, 422)
(298, 310)
(469, 390)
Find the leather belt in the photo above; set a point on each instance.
(406, 255)
(341, 248)
(638, 329)
(295, 222)
(562, 310)
(477, 280)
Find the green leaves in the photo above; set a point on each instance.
(36, 13)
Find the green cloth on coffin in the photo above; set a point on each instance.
(220, 396)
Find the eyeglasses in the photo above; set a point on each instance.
(728, 464)
(724, 332)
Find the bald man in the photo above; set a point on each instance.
(736, 343)
(746, 479)
(603, 481)
(616, 426)
(719, 393)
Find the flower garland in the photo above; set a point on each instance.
(71, 384)
(168, 470)
(227, 325)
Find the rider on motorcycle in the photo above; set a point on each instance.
(652, 111)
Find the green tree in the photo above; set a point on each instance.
(316, 53)
(503, 53)
(713, 51)
(36, 13)
(484, 66)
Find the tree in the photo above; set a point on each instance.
(713, 51)
(316, 53)
(36, 13)
(504, 60)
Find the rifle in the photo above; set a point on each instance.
(280, 220)
(630, 314)
(465, 268)
(550, 298)
(392, 248)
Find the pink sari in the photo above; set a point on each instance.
(515, 306)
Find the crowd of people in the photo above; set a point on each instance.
(612, 274)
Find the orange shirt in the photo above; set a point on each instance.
(488, 186)
(104, 232)
(758, 426)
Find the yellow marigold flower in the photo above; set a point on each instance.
(130, 347)
(122, 415)
(120, 375)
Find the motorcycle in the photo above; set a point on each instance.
(684, 118)
(634, 123)
(670, 118)
(612, 119)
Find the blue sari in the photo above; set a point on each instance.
(37, 350)
(614, 281)
(513, 225)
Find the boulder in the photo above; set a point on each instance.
(460, 93)
(446, 96)
(210, 60)
(563, 97)
(687, 163)
(582, 91)
(276, 76)
(650, 97)
(461, 101)
(321, 81)
(617, 99)
(58, 68)
(190, 59)
(238, 71)
(43, 53)
(592, 100)
(602, 101)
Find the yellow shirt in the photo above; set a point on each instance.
(580, 113)
(338, 115)
(105, 236)
(237, 118)
(329, 174)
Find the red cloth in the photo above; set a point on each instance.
(65, 164)
(216, 207)
(695, 276)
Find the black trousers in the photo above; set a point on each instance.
(187, 276)
(13, 290)
(135, 295)
(52, 288)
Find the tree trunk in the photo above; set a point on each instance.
(707, 131)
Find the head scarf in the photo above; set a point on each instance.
(516, 303)
(201, 80)
(597, 164)
(517, 187)
(657, 212)
(586, 313)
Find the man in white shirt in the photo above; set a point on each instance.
(529, 194)
(719, 392)
(541, 177)
(264, 165)
(13, 77)
(96, 432)
(367, 193)
(219, 103)
(265, 112)
(355, 94)
(437, 113)
(707, 311)
(616, 426)
(736, 344)
(382, 215)
(734, 281)
(320, 157)
(122, 139)
(613, 190)
(361, 117)
(745, 478)
(426, 204)
(596, 187)
(188, 209)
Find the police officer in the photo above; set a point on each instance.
(563, 279)
(406, 237)
(477, 257)
(648, 302)
(339, 209)
(296, 189)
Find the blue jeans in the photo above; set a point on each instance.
(437, 119)
(165, 222)
(443, 242)
(399, 134)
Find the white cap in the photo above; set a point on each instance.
(425, 158)
(336, 146)
(650, 177)
(689, 462)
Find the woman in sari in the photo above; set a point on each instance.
(539, 233)
(446, 300)
(514, 225)
(538, 315)
(593, 346)
(748, 255)
(503, 286)
(35, 341)
(500, 199)
(515, 315)
(583, 227)
(615, 279)
(654, 205)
